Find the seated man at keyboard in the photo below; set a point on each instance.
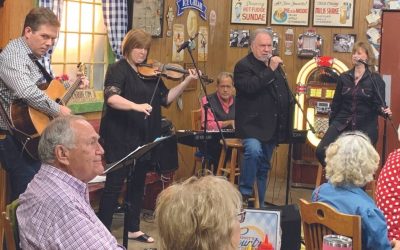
(54, 211)
(223, 104)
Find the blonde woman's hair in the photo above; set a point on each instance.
(198, 214)
(351, 160)
(368, 50)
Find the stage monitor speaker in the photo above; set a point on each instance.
(290, 225)
(166, 156)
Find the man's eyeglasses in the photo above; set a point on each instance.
(241, 216)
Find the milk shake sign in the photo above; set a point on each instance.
(249, 11)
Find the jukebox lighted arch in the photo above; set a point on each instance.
(316, 83)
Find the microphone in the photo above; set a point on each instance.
(187, 43)
(268, 59)
(363, 62)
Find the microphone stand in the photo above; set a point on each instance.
(128, 204)
(290, 150)
(205, 162)
(385, 116)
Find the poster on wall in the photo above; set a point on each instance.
(333, 13)
(294, 13)
(249, 12)
(202, 52)
(178, 37)
(147, 15)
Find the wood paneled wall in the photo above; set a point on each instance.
(220, 56)
(12, 17)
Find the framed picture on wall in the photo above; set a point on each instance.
(249, 12)
(334, 13)
(148, 15)
(293, 13)
(343, 43)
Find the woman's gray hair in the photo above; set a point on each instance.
(254, 33)
(58, 132)
(351, 160)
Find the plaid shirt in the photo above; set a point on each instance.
(115, 14)
(55, 213)
(19, 78)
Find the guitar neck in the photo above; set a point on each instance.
(67, 96)
(71, 91)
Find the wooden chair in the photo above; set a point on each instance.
(320, 219)
(9, 220)
(230, 168)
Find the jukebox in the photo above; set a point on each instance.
(316, 83)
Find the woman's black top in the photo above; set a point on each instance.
(123, 131)
(356, 107)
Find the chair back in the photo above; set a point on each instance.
(320, 219)
(196, 119)
(9, 218)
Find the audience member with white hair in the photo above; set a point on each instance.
(351, 162)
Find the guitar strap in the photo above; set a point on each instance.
(46, 74)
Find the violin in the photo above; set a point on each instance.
(152, 69)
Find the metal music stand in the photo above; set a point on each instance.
(130, 161)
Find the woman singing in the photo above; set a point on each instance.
(356, 103)
(130, 120)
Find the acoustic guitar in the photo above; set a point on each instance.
(28, 123)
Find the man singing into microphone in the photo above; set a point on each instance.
(357, 102)
(263, 102)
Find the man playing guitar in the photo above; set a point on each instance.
(20, 78)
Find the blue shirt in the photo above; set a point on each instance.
(353, 200)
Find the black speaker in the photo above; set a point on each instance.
(290, 225)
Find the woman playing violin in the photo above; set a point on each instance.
(130, 120)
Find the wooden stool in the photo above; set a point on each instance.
(231, 168)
